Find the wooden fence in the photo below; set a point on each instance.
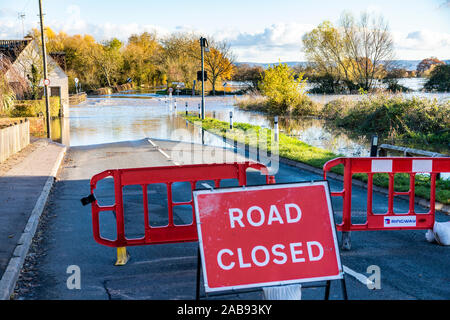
(78, 98)
(13, 139)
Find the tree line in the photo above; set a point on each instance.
(146, 59)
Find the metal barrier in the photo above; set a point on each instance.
(391, 166)
(161, 175)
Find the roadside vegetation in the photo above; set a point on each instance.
(7, 96)
(296, 150)
(439, 79)
(420, 122)
(35, 108)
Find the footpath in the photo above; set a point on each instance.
(25, 183)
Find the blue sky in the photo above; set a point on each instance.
(259, 31)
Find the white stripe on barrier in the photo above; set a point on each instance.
(422, 166)
(381, 166)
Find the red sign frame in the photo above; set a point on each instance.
(261, 236)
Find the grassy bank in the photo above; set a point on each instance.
(416, 122)
(297, 150)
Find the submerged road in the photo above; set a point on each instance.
(411, 268)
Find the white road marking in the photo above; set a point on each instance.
(358, 276)
(162, 152)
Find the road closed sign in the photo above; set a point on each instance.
(266, 235)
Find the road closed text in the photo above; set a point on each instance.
(256, 217)
(261, 256)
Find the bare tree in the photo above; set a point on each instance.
(368, 44)
(354, 52)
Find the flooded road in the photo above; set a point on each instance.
(113, 119)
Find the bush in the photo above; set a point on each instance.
(335, 109)
(32, 108)
(285, 93)
(326, 84)
(439, 79)
(394, 86)
(392, 117)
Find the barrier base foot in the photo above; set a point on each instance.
(346, 240)
(122, 257)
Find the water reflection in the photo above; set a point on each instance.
(60, 130)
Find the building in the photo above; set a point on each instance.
(24, 55)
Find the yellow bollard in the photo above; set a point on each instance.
(122, 256)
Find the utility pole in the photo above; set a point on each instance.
(203, 76)
(44, 61)
(204, 47)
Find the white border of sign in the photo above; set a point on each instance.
(269, 186)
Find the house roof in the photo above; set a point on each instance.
(12, 48)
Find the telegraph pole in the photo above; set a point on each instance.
(202, 45)
(204, 48)
(44, 61)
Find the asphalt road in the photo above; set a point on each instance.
(411, 268)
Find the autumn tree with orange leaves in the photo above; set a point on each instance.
(219, 62)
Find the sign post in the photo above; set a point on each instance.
(76, 84)
(264, 236)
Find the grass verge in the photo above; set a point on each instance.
(297, 150)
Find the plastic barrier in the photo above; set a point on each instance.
(143, 177)
(389, 220)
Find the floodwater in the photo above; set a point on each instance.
(124, 117)
(111, 119)
(415, 84)
(131, 115)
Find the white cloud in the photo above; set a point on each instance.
(75, 24)
(420, 44)
(281, 41)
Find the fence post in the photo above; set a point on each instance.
(374, 146)
(231, 119)
(276, 128)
